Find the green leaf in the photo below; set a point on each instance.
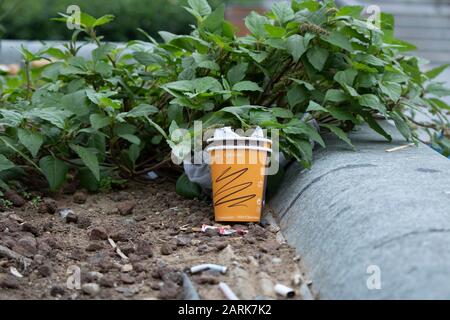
(346, 77)
(237, 73)
(187, 188)
(438, 90)
(376, 127)
(99, 121)
(296, 126)
(55, 171)
(307, 85)
(87, 180)
(392, 90)
(274, 31)
(339, 113)
(314, 106)
(103, 20)
(102, 51)
(55, 116)
(339, 133)
(148, 58)
(317, 56)
(131, 138)
(373, 102)
(352, 11)
(5, 163)
(370, 59)
(89, 159)
(31, 140)
(338, 39)
(213, 23)
(335, 95)
(200, 7)
(296, 46)
(256, 24)
(283, 13)
(433, 73)
(246, 86)
(142, 110)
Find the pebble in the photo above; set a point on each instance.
(28, 227)
(277, 260)
(83, 222)
(139, 267)
(127, 279)
(45, 270)
(269, 246)
(195, 242)
(8, 281)
(206, 280)
(93, 276)
(98, 233)
(57, 291)
(80, 197)
(126, 207)
(168, 291)
(94, 246)
(38, 258)
(15, 198)
(183, 241)
(144, 248)
(127, 268)
(50, 204)
(71, 217)
(107, 281)
(166, 249)
(91, 289)
(26, 246)
(128, 291)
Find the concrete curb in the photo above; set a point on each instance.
(359, 217)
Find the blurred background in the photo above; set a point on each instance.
(425, 23)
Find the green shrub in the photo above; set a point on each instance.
(110, 117)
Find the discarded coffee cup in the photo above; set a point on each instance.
(238, 173)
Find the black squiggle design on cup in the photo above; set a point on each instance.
(236, 202)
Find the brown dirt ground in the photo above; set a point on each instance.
(156, 236)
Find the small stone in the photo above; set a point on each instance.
(144, 248)
(26, 246)
(220, 245)
(126, 207)
(140, 218)
(107, 281)
(15, 198)
(45, 270)
(57, 291)
(93, 276)
(202, 249)
(183, 241)
(128, 291)
(277, 260)
(269, 246)
(120, 236)
(51, 205)
(127, 268)
(8, 281)
(250, 240)
(28, 227)
(71, 217)
(212, 232)
(168, 291)
(83, 222)
(94, 246)
(120, 196)
(38, 258)
(80, 197)
(195, 242)
(139, 267)
(126, 278)
(91, 289)
(42, 208)
(206, 280)
(98, 233)
(156, 285)
(297, 258)
(166, 249)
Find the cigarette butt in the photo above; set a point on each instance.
(284, 291)
(400, 147)
(189, 291)
(228, 293)
(209, 266)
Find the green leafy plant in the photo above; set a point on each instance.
(111, 116)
